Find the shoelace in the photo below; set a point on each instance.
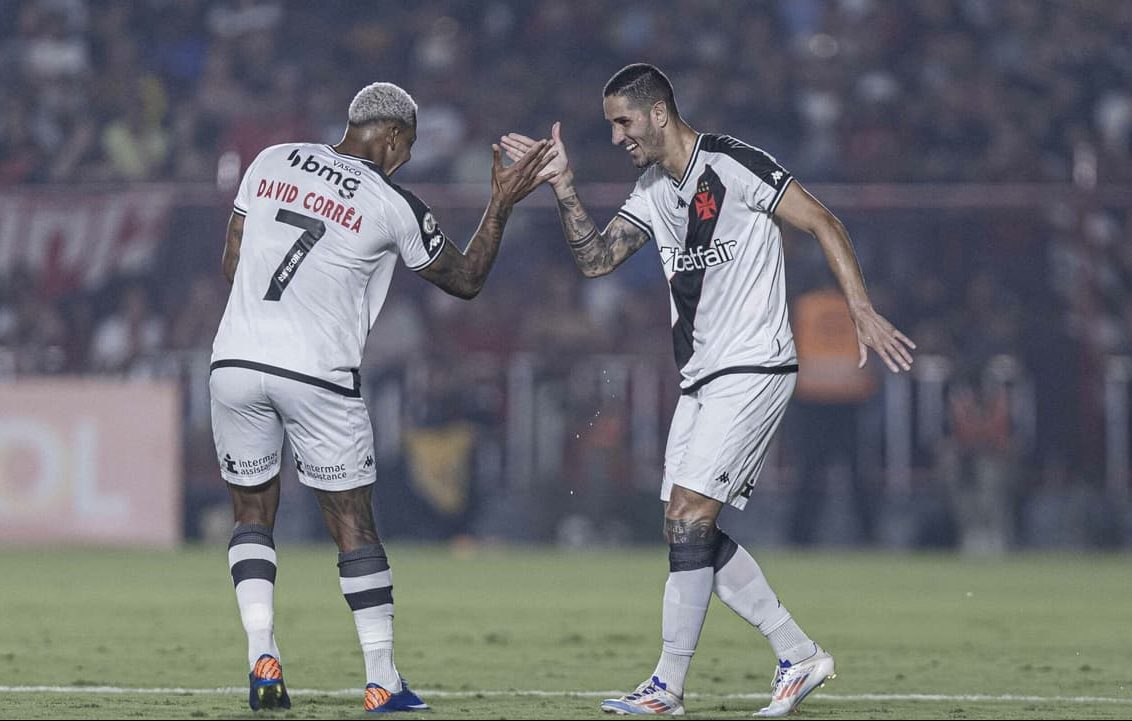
(780, 674)
(642, 692)
(650, 689)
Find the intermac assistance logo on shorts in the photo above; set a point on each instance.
(254, 467)
(332, 472)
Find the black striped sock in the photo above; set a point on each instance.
(367, 584)
(252, 561)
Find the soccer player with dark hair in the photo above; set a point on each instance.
(713, 205)
(314, 237)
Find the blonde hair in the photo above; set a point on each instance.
(383, 101)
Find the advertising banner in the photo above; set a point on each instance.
(76, 240)
(90, 461)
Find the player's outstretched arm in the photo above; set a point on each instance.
(804, 212)
(463, 274)
(232, 243)
(596, 253)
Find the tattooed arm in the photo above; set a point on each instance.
(596, 253)
(232, 243)
(463, 274)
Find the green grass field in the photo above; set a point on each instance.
(915, 636)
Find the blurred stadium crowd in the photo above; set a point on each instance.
(849, 91)
(982, 90)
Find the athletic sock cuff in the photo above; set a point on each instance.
(725, 549)
(363, 561)
(690, 556)
(252, 533)
(786, 618)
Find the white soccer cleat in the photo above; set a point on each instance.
(651, 697)
(794, 682)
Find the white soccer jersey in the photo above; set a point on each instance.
(322, 235)
(721, 248)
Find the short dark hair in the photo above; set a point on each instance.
(644, 84)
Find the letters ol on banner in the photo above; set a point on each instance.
(90, 461)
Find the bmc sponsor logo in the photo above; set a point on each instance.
(718, 253)
(335, 173)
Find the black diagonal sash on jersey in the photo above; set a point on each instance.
(313, 229)
(703, 214)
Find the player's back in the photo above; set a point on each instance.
(321, 236)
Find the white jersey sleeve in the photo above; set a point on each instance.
(768, 180)
(416, 232)
(636, 209)
(244, 193)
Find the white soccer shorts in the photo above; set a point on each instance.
(330, 433)
(721, 433)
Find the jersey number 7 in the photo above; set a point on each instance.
(313, 229)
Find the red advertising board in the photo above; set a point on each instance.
(80, 239)
(90, 461)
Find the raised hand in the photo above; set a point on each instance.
(510, 184)
(517, 145)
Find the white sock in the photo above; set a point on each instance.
(252, 562)
(687, 594)
(741, 585)
(790, 642)
(367, 583)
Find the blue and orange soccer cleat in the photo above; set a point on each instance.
(381, 700)
(265, 685)
(652, 698)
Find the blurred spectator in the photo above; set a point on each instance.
(132, 333)
(21, 158)
(979, 456)
(823, 418)
(136, 145)
(397, 336)
(561, 329)
(198, 316)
